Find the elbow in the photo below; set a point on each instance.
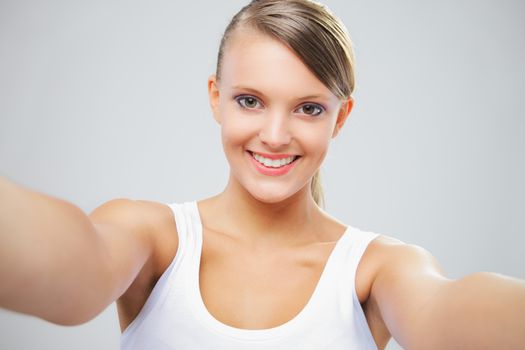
(67, 320)
(72, 317)
(77, 306)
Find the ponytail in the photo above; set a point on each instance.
(317, 189)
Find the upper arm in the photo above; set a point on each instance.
(423, 309)
(64, 266)
(126, 240)
(130, 234)
(405, 288)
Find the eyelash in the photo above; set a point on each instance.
(319, 109)
(241, 100)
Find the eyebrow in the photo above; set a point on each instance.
(257, 92)
(249, 89)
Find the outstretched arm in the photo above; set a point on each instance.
(61, 265)
(424, 310)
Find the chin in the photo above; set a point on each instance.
(273, 195)
(270, 199)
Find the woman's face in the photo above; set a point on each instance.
(276, 117)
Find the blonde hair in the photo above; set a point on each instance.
(316, 35)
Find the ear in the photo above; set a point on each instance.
(342, 116)
(213, 96)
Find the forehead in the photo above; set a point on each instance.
(257, 60)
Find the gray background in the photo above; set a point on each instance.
(105, 99)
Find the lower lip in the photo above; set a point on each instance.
(265, 170)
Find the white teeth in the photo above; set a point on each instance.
(274, 163)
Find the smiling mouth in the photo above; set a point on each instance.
(273, 163)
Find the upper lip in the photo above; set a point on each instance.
(274, 156)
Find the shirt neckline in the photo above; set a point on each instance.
(304, 315)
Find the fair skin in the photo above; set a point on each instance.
(123, 247)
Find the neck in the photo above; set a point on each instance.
(290, 220)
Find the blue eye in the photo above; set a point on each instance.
(310, 109)
(248, 102)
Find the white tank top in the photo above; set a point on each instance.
(175, 317)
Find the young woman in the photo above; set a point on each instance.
(261, 265)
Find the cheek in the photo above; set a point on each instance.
(229, 128)
(315, 138)
(236, 130)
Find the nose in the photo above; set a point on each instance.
(275, 131)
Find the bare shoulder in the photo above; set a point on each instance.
(389, 261)
(137, 214)
(151, 223)
(392, 255)
(397, 281)
(152, 228)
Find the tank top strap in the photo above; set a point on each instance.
(185, 223)
(189, 233)
(358, 242)
(351, 255)
(162, 289)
